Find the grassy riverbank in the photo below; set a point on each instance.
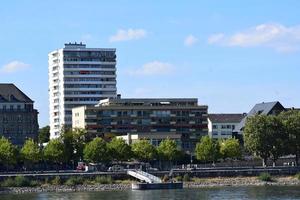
(21, 185)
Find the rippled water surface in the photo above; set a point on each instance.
(259, 192)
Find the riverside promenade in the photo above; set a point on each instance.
(193, 172)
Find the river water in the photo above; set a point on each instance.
(243, 193)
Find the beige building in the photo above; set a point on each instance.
(154, 119)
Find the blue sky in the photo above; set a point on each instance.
(229, 54)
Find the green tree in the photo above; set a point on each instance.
(73, 141)
(230, 148)
(279, 140)
(54, 151)
(167, 150)
(143, 150)
(8, 152)
(96, 151)
(291, 121)
(44, 134)
(207, 150)
(30, 152)
(119, 149)
(265, 137)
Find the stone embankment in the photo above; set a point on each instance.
(241, 181)
(196, 183)
(64, 188)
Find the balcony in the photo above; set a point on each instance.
(133, 123)
(113, 123)
(172, 130)
(172, 123)
(91, 123)
(191, 115)
(90, 116)
(89, 62)
(153, 123)
(153, 130)
(192, 122)
(90, 89)
(172, 115)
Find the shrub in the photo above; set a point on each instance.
(21, 181)
(265, 177)
(186, 178)
(56, 181)
(298, 176)
(46, 181)
(9, 182)
(178, 178)
(74, 181)
(71, 181)
(88, 181)
(34, 183)
(104, 179)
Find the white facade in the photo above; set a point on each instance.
(78, 76)
(220, 130)
(221, 126)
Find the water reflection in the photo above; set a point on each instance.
(243, 193)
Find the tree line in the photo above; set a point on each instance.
(271, 137)
(266, 136)
(72, 147)
(211, 150)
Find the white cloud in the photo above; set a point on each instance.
(190, 40)
(14, 66)
(215, 38)
(276, 36)
(126, 35)
(154, 68)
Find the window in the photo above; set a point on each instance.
(215, 133)
(226, 133)
(146, 121)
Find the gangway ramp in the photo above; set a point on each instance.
(144, 176)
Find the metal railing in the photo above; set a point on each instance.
(149, 178)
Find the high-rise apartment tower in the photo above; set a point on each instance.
(78, 76)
